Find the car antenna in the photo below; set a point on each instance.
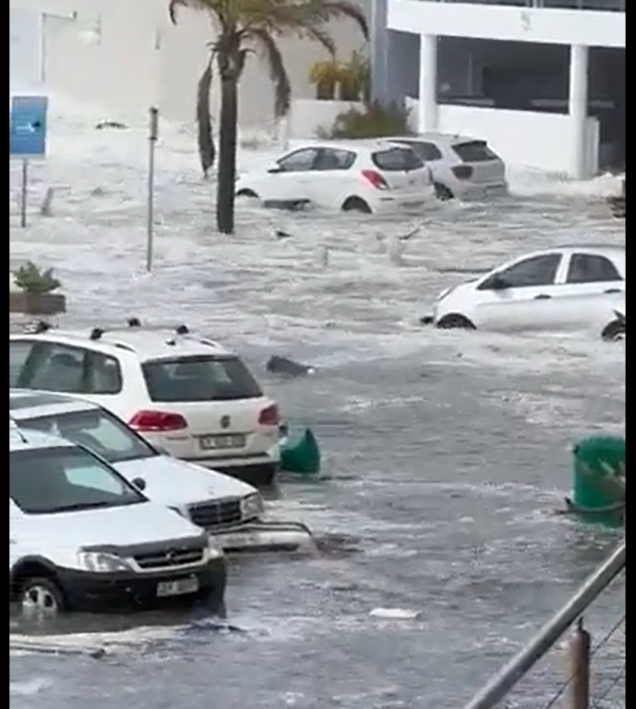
(134, 322)
(182, 330)
(96, 334)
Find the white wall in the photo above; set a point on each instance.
(141, 59)
(544, 141)
(309, 116)
(521, 24)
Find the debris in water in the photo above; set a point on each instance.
(395, 613)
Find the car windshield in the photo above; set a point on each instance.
(99, 431)
(201, 378)
(50, 480)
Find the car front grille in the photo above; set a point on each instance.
(169, 558)
(211, 515)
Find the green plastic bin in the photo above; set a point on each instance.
(300, 454)
(599, 475)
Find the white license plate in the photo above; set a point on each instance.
(222, 441)
(181, 587)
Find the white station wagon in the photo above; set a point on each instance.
(578, 287)
(367, 176)
(186, 394)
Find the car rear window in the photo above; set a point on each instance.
(396, 160)
(201, 378)
(474, 151)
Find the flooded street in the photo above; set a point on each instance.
(447, 453)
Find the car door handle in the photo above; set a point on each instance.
(613, 291)
(543, 296)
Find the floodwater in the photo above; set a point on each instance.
(446, 454)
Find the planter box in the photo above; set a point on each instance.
(31, 304)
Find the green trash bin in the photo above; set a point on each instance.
(599, 478)
(300, 454)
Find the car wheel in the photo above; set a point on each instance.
(40, 597)
(248, 194)
(613, 331)
(442, 192)
(355, 204)
(455, 321)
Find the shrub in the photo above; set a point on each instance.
(36, 281)
(374, 120)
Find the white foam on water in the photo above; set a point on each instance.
(30, 687)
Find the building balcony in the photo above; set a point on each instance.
(594, 5)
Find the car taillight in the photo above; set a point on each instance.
(269, 416)
(157, 421)
(462, 172)
(375, 179)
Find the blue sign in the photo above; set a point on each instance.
(27, 126)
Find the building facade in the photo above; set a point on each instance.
(124, 56)
(543, 80)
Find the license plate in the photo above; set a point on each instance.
(222, 442)
(181, 587)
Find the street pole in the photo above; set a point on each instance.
(150, 225)
(24, 193)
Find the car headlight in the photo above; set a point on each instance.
(214, 551)
(252, 506)
(101, 563)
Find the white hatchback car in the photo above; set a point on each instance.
(357, 176)
(578, 287)
(185, 394)
(83, 538)
(227, 508)
(460, 166)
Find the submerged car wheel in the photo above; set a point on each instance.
(247, 194)
(455, 322)
(442, 192)
(613, 331)
(355, 204)
(40, 598)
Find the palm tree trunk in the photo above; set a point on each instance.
(227, 155)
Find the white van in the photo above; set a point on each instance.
(83, 538)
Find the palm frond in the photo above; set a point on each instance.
(277, 71)
(207, 150)
(349, 10)
(210, 6)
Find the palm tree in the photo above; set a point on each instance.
(245, 27)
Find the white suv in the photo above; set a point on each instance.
(83, 538)
(185, 394)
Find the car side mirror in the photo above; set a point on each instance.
(140, 484)
(275, 169)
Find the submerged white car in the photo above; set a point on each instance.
(185, 394)
(227, 508)
(81, 537)
(371, 176)
(578, 287)
(460, 166)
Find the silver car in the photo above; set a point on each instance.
(462, 167)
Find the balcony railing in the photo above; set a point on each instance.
(597, 5)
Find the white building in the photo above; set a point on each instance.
(452, 44)
(124, 56)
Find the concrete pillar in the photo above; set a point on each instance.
(427, 119)
(577, 109)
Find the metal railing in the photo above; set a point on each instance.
(501, 685)
(596, 5)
